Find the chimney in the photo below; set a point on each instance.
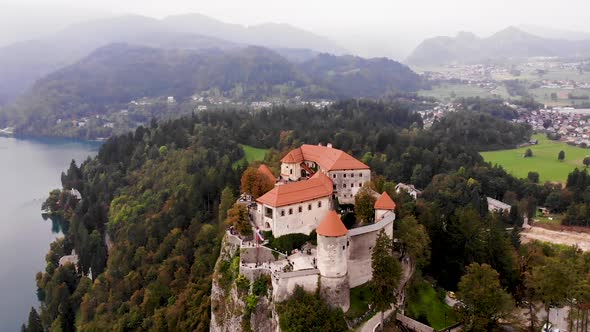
(329, 145)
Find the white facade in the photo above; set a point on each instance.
(302, 217)
(347, 183)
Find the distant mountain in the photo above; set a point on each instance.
(21, 64)
(551, 33)
(113, 75)
(509, 43)
(269, 35)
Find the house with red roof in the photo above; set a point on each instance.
(347, 173)
(295, 207)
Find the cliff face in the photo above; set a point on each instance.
(236, 303)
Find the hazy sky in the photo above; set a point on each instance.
(367, 26)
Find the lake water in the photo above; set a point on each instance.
(29, 169)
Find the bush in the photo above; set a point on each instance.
(287, 243)
(260, 286)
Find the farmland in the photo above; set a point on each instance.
(544, 160)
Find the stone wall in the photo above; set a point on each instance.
(257, 255)
(361, 242)
(331, 256)
(413, 325)
(284, 283)
(336, 291)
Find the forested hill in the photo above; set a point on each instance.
(157, 193)
(111, 77)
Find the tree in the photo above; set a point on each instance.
(561, 155)
(386, 274)
(533, 177)
(34, 324)
(255, 183)
(238, 217)
(586, 161)
(482, 300)
(414, 240)
(528, 153)
(552, 282)
(227, 199)
(364, 204)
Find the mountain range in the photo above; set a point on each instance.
(112, 76)
(22, 63)
(510, 43)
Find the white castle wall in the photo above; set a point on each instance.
(284, 283)
(361, 242)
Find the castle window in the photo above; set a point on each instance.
(290, 211)
(352, 175)
(309, 207)
(344, 175)
(268, 212)
(300, 209)
(320, 204)
(360, 185)
(360, 175)
(334, 176)
(291, 171)
(352, 185)
(344, 185)
(282, 213)
(343, 247)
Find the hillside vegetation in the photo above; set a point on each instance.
(111, 77)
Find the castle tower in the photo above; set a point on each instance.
(383, 206)
(332, 253)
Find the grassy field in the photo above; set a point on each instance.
(252, 154)
(425, 306)
(544, 160)
(448, 92)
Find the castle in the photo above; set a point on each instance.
(312, 178)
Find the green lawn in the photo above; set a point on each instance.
(552, 219)
(252, 154)
(359, 301)
(544, 160)
(424, 305)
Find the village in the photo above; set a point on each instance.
(564, 123)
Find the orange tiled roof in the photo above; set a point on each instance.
(328, 158)
(292, 193)
(385, 203)
(267, 172)
(331, 225)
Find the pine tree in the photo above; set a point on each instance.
(34, 324)
(386, 274)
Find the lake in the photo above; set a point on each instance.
(29, 170)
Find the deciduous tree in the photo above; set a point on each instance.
(482, 300)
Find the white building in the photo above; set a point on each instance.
(346, 172)
(296, 207)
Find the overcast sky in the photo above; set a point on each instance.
(368, 27)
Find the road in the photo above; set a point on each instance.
(582, 240)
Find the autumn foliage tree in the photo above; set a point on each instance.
(237, 216)
(255, 182)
